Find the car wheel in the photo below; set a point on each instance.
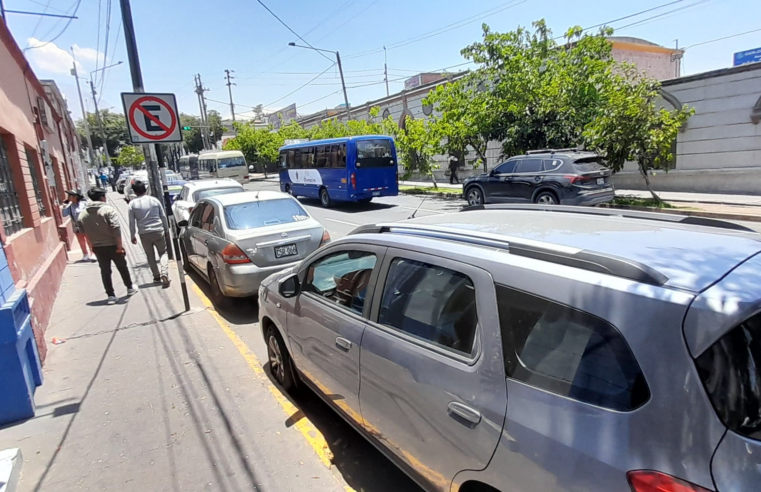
(280, 359)
(325, 198)
(217, 297)
(546, 198)
(365, 200)
(475, 196)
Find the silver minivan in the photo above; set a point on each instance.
(536, 348)
(237, 240)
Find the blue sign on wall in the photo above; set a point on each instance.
(748, 56)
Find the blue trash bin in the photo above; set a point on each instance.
(20, 368)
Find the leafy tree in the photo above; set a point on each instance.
(130, 156)
(633, 127)
(115, 128)
(192, 138)
(215, 125)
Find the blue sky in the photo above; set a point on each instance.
(178, 39)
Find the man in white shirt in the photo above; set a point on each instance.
(147, 213)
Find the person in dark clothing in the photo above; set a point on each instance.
(101, 224)
(453, 165)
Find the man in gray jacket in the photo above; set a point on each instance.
(146, 211)
(101, 224)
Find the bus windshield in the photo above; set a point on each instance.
(375, 153)
(226, 162)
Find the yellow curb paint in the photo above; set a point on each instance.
(307, 429)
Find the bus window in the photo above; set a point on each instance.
(321, 154)
(341, 160)
(374, 153)
(282, 161)
(304, 158)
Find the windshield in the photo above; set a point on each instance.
(232, 162)
(215, 192)
(264, 213)
(375, 153)
(592, 165)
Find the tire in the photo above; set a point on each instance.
(365, 201)
(546, 198)
(217, 297)
(325, 200)
(280, 360)
(474, 196)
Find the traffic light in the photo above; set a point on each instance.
(186, 128)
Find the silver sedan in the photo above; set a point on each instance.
(237, 240)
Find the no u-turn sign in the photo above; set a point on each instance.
(151, 118)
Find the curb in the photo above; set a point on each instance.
(694, 213)
(444, 196)
(10, 469)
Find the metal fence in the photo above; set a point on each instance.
(9, 201)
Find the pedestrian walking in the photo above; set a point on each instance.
(75, 204)
(101, 224)
(104, 179)
(453, 165)
(148, 215)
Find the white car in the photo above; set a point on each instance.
(196, 190)
(136, 176)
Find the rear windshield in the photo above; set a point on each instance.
(731, 372)
(216, 191)
(264, 213)
(589, 165)
(375, 153)
(232, 162)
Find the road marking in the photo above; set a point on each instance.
(342, 222)
(312, 435)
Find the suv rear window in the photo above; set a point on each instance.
(731, 373)
(589, 165)
(568, 352)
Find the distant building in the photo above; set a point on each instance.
(657, 61)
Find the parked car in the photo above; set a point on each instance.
(193, 191)
(238, 239)
(549, 177)
(536, 348)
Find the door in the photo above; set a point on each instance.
(305, 179)
(528, 176)
(432, 382)
(375, 166)
(193, 230)
(182, 206)
(499, 185)
(202, 237)
(326, 326)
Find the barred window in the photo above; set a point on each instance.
(34, 171)
(9, 202)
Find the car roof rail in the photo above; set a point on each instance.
(618, 212)
(539, 151)
(552, 253)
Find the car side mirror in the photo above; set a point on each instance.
(492, 172)
(290, 286)
(182, 223)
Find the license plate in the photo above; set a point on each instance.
(376, 193)
(600, 181)
(287, 250)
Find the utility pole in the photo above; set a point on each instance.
(230, 90)
(84, 113)
(100, 123)
(156, 182)
(343, 85)
(202, 108)
(385, 69)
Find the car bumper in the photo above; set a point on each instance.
(590, 198)
(244, 280)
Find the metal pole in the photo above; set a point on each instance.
(230, 90)
(84, 113)
(385, 69)
(100, 124)
(199, 92)
(343, 85)
(2, 11)
(137, 85)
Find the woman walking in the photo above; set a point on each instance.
(76, 204)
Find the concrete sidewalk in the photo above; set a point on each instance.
(141, 397)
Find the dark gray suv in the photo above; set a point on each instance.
(536, 348)
(547, 177)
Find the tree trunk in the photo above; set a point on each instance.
(643, 172)
(481, 156)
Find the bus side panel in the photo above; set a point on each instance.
(337, 183)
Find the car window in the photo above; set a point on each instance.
(342, 278)
(552, 164)
(195, 218)
(506, 168)
(589, 165)
(431, 303)
(264, 213)
(207, 221)
(530, 166)
(568, 352)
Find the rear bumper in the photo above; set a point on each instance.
(590, 198)
(244, 280)
(373, 193)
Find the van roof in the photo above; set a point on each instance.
(691, 257)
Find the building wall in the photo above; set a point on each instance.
(656, 61)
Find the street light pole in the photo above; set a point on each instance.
(84, 113)
(100, 124)
(340, 71)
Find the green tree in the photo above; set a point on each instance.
(216, 126)
(633, 127)
(115, 128)
(130, 156)
(192, 138)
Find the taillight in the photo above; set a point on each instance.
(233, 255)
(576, 179)
(653, 481)
(354, 181)
(325, 237)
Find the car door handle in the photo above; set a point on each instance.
(343, 344)
(458, 410)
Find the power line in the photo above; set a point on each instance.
(289, 28)
(722, 39)
(105, 49)
(39, 19)
(349, 20)
(629, 16)
(330, 16)
(301, 87)
(661, 15)
(113, 53)
(47, 6)
(79, 2)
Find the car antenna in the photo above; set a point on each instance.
(257, 195)
(418, 208)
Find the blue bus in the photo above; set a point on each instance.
(351, 169)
